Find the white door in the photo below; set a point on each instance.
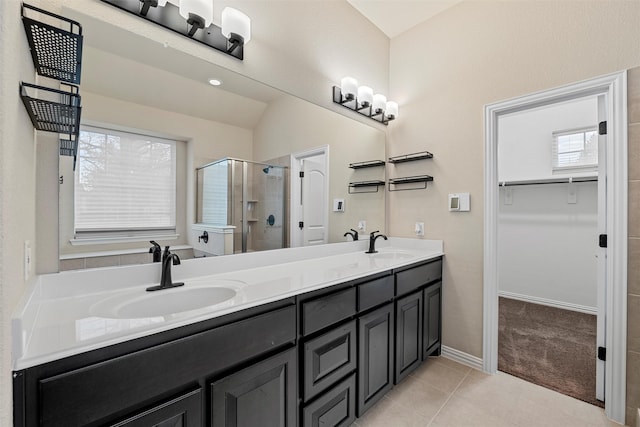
(313, 201)
(601, 252)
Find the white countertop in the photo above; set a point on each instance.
(68, 313)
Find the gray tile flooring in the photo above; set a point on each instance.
(442, 392)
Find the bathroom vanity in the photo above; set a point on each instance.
(315, 339)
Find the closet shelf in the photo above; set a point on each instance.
(411, 157)
(367, 164)
(52, 110)
(410, 180)
(56, 52)
(365, 184)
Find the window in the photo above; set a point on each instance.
(575, 149)
(125, 185)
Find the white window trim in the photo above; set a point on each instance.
(571, 168)
(111, 240)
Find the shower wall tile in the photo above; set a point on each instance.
(633, 320)
(633, 273)
(633, 385)
(633, 95)
(634, 209)
(634, 151)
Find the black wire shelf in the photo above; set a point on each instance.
(365, 184)
(56, 52)
(411, 157)
(423, 179)
(52, 110)
(367, 164)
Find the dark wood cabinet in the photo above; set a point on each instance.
(432, 326)
(183, 411)
(408, 334)
(328, 358)
(263, 394)
(375, 361)
(335, 408)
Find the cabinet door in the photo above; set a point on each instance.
(408, 334)
(375, 362)
(328, 358)
(262, 395)
(335, 408)
(432, 324)
(184, 411)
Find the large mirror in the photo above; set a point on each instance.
(134, 84)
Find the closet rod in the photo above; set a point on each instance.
(547, 181)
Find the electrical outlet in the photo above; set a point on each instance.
(419, 229)
(27, 259)
(362, 225)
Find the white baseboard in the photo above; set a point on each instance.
(550, 303)
(461, 357)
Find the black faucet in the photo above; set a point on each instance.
(372, 241)
(354, 234)
(165, 279)
(156, 250)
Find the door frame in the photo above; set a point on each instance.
(294, 183)
(614, 87)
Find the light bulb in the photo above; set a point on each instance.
(379, 103)
(349, 88)
(391, 110)
(365, 96)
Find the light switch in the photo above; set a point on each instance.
(338, 205)
(459, 202)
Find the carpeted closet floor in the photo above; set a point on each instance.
(549, 346)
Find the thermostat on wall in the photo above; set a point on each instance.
(459, 202)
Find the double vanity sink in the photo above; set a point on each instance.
(324, 331)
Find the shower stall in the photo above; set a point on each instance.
(247, 195)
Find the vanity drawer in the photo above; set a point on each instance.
(375, 292)
(336, 408)
(327, 310)
(328, 358)
(413, 278)
(88, 395)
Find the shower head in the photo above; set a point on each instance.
(266, 170)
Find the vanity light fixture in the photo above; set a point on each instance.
(362, 100)
(194, 19)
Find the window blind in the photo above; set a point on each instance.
(575, 149)
(125, 184)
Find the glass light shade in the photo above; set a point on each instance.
(391, 110)
(202, 8)
(379, 103)
(349, 87)
(365, 96)
(234, 21)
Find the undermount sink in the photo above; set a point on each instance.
(394, 255)
(141, 304)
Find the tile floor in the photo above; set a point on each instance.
(442, 392)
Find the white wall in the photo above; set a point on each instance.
(525, 138)
(17, 183)
(547, 246)
(443, 72)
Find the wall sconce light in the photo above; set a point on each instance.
(362, 100)
(194, 19)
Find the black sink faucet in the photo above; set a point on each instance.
(354, 235)
(166, 282)
(372, 241)
(156, 250)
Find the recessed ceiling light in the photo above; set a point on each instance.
(215, 82)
